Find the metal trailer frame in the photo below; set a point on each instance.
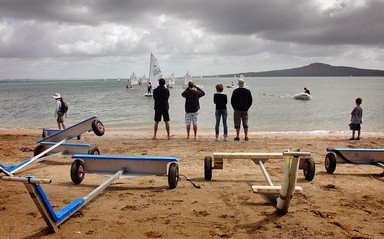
(114, 167)
(363, 156)
(54, 219)
(56, 144)
(55, 135)
(134, 166)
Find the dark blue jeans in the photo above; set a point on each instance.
(219, 114)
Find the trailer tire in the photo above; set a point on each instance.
(77, 171)
(173, 175)
(98, 127)
(309, 169)
(330, 162)
(94, 151)
(208, 168)
(38, 150)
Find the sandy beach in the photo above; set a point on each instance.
(346, 204)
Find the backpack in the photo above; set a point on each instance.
(64, 107)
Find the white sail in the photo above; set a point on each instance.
(133, 79)
(171, 81)
(187, 78)
(143, 79)
(154, 72)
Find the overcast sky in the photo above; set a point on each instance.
(113, 38)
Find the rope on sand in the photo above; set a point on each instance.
(195, 185)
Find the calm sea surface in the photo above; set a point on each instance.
(29, 104)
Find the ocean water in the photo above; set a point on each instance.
(29, 104)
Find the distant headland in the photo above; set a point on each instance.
(314, 69)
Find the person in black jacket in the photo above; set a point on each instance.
(241, 101)
(192, 95)
(220, 100)
(161, 96)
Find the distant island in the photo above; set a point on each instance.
(314, 69)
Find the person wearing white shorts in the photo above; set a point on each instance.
(192, 95)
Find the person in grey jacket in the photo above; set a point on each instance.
(192, 95)
(241, 101)
(356, 119)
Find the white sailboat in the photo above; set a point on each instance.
(171, 81)
(143, 80)
(132, 81)
(187, 79)
(233, 85)
(154, 75)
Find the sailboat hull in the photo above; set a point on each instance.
(302, 96)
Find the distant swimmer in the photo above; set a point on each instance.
(307, 91)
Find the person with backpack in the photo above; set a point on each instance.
(60, 110)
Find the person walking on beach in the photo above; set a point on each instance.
(58, 110)
(241, 101)
(356, 119)
(192, 95)
(161, 96)
(220, 100)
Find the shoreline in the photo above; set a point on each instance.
(203, 133)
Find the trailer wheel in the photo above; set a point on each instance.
(98, 127)
(208, 168)
(309, 169)
(94, 151)
(78, 137)
(38, 150)
(43, 134)
(173, 175)
(77, 171)
(330, 162)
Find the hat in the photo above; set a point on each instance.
(56, 96)
(241, 83)
(191, 84)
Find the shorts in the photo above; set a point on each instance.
(191, 118)
(60, 117)
(239, 116)
(354, 126)
(159, 113)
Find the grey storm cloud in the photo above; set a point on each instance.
(84, 28)
(284, 20)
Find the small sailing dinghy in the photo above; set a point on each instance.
(187, 79)
(154, 75)
(132, 81)
(171, 81)
(233, 85)
(302, 96)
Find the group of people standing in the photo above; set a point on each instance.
(241, 101)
